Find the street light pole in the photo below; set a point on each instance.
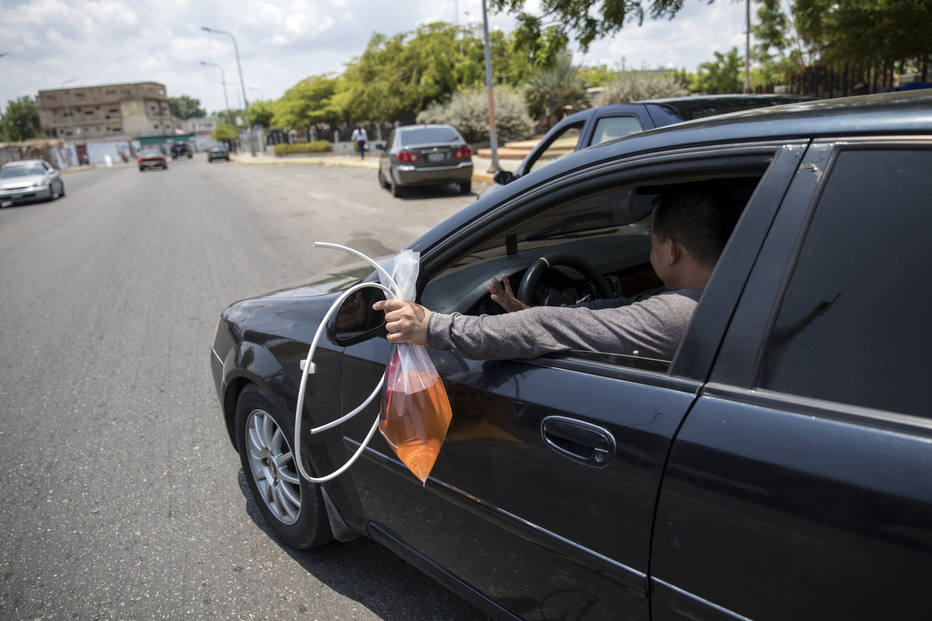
(6, 127)
(239, 67)
(68, 110)
(225, 100)
(493, 141)
(747, 46)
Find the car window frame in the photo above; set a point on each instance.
(639, 168)
(739, 363)
(527, 165)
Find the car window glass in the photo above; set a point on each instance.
(562, 144)
(609, 229)
(853, 326)
(428, 135)
(22, 171)
(612, 127)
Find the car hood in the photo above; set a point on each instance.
(22, 182)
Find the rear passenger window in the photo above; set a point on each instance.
(562, 144)
(612, 127)
(854, 323)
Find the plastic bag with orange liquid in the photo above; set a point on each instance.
(415, 412)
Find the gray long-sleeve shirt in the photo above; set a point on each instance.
(653, 328)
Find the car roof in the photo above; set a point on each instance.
(688, 103)
(898, 113)
(426, 125)
(901, 112)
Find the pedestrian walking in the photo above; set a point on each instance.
(360, 138)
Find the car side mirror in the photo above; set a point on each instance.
(355, 321)
(503, 177)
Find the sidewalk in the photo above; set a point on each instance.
(480, 173)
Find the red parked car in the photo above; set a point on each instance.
(151, 158)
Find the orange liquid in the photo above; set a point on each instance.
(415, 423)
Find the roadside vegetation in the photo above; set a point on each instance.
(436, 73)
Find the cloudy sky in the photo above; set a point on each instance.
(89, 42)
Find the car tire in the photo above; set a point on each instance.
(61, 189)
(141, 169)
(293, 507)
(397, 190)
(466, 186)
(382, 182)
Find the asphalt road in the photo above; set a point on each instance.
(122, 497)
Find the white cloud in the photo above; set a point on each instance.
(280, 42)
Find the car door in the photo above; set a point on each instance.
(542, 499)
(799, 485)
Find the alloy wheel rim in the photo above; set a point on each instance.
(271, 461)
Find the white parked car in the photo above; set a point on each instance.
(29, 180)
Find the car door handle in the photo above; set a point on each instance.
(579, 441)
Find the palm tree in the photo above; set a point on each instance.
(556, 92)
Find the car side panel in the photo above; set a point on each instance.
(783, 510)
(781, 507)
(576, 535)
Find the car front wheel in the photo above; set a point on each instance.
(293, 507)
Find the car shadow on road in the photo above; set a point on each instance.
(372, 575)
(417, 193)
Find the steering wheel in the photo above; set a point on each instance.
(536, 270)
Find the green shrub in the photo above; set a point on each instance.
(316, 146)
(468, 112)
(640, 85)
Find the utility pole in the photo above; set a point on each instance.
(6, 127)
(225, 100)
(493, 141)
(239, 67)
(68, 114)
(747, 46)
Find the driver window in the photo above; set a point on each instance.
(601, 236)
(562, 144)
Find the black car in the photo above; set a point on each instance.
(419, 155)
(777, 467)
(603, 123)
(181, 149)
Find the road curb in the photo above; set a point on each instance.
(478, 176)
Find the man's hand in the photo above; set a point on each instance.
(406, 322)
(501, 294)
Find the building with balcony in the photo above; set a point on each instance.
(105, 120)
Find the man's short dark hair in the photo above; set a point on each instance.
(697, 217)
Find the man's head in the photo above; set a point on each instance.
(689, 228)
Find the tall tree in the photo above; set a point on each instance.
(398, 76)
(586, 19)
(861, 31)
(185, 107)
(722, 75)
(312, 100)
(21, 119)
(261, 113)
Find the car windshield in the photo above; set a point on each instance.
(152, 153)
(428, 135)
(22, 171)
